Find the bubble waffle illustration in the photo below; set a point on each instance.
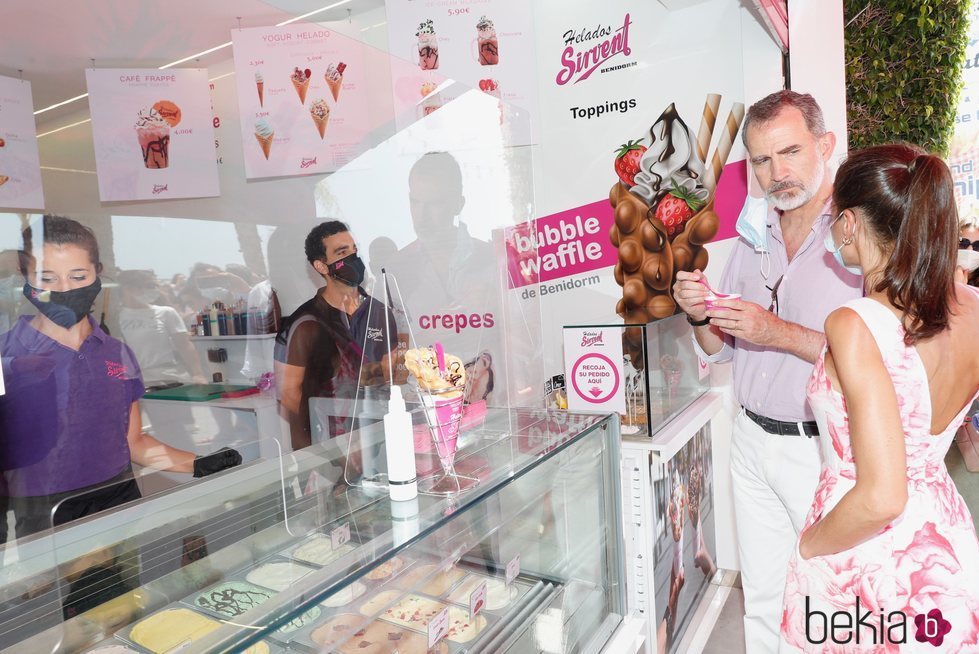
(664, 207)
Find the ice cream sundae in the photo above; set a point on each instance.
(153, 134)
(486, 43)
(320, 111)
(334, 79)
(264, 133)
(428, 46)
(664, 207)
(300, 81)
(260, 85)
(441, 379)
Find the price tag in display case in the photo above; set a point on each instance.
(340, 536)
(477, 600)
(513, 570)
(438, 627)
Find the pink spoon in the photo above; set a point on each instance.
(440, 357)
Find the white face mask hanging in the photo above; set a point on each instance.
(833, 249)
(752, 226)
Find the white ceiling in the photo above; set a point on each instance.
(53, 41)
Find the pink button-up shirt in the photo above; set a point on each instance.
(769, 381)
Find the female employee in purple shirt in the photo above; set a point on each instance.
(70, 419)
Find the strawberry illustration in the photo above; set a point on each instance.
(676, 208)
(627, 161)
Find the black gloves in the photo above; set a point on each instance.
(211, 463)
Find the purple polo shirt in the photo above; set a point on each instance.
(768, 381)
(65, 415)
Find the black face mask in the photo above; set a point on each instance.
(349, 270)
(64, 308)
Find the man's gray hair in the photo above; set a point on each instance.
(769, 107)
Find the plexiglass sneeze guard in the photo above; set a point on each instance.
(273, 558)
(294, 550)
(659, 368)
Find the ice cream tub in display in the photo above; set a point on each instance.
(317, 550)
(498, 595)
(414, 612)
(349, 633)
(230, 599)
(176, 629)
(277, 574)
(111, 647)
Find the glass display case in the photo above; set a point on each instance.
(655, 371)
(285, 555)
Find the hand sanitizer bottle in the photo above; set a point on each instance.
(399, 446)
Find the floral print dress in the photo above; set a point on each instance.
(922, 569)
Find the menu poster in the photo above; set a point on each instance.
(303, 97)
(20, 168)
(153, 132)
(483, 44)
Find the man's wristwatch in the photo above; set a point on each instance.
(698, 323)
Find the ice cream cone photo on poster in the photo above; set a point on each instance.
(664, 206)
(334, 79)
(264, 134)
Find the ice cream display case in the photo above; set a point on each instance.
(284, 555)
(647, 373)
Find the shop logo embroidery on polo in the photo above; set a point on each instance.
(375, 334)
(115, 370)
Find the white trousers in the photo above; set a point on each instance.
(774, 481)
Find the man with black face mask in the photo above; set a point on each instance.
(326, 346)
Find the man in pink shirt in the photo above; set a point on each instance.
(788, 284)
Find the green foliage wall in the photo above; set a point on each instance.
(903, 70)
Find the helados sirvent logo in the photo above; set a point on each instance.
(588, 50)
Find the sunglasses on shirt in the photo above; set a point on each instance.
(773, 307)
(965, 244)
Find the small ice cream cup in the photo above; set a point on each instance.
(716, 297)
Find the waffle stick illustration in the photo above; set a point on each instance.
(664, 207)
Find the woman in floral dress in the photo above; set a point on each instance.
(888, 560)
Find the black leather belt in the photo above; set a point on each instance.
(781, 428)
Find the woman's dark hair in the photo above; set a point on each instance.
(906, 196)
(58, 230)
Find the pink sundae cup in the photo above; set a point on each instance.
(715, 297)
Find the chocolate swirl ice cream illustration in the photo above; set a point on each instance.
(671, 157)
(664, 208)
